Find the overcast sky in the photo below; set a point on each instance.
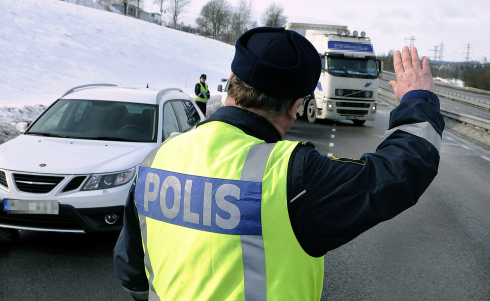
(388, 23)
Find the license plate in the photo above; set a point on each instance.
(30, 207)
(351, 117)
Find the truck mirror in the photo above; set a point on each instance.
(224, 80)
(380, 68)
(220, 88)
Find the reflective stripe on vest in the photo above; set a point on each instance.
(203, 89)
(250, 236)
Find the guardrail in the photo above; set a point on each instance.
(472, 120)
(464, 99)
(468, 89)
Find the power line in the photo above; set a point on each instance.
(411, 39)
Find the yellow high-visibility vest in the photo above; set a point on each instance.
(203, 89)
(215, 224)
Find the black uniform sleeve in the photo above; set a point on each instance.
(336, 199)
(197, 89)
(129, 254)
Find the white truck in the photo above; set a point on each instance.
(348, 84)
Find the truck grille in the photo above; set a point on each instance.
(352, 112)
(352, 104)
(354, 93)
(3, 179)
(36, 183)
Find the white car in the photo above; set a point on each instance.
(71, 170)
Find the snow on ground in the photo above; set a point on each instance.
(50, 46)
(454, 82)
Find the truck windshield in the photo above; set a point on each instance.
(98, 120)
(358, 68)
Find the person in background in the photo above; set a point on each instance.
(231, 211)
(202, 93)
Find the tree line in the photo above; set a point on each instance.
(220, 20)
(474, 74)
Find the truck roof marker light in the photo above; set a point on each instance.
(347, 32)
(355, 33)
(339, 32)
(363, 34)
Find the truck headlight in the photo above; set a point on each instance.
(329, 106)
(110, 180)
(374, 107)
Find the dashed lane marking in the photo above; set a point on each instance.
(467, 147)
(449, 138)
(486, 158)
(332, 136)
(331, 144)
(330, 155)
(333, 130)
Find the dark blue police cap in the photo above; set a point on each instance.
(276, 61)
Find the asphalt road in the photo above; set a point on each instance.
(437, 250)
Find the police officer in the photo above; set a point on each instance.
(202, 93)
(250, 216)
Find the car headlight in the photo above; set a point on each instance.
(110, 180)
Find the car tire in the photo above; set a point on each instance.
(311, 111)
(359, 122)
(7, 235)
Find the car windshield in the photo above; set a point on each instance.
(359, 68)
(98, 120)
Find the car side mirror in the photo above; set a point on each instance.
(21, 126)
(220, 88)
(224, 80)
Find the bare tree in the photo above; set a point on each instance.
(160, 3)
(241, 19)
(274, 15)
(176, 8)
(139, 6)
(215, 17)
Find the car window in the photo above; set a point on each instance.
(170, 124)
(186, 113)
(98, 120)
(54, 117)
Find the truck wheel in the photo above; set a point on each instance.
(359, 122)
(311, 111)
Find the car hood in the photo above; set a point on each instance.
(70, 156)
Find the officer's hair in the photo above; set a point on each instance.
(248, 97)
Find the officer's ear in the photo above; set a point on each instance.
(291, 112)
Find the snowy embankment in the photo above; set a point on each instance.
(50, 46)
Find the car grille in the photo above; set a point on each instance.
(3, 179)
(36, 183)
(74, 183)
(352, 104)
(354, 93)
(352, 112)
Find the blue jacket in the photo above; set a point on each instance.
(329, 211)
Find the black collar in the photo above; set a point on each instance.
(250, 123)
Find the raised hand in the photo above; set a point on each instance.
(409, 74)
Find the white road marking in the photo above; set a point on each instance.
(332, 136)
(333, 130)
(331, 144)
(449, 138)
(486, 158)
(330, 155)
(467, 147)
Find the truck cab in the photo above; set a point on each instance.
(348, 84)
